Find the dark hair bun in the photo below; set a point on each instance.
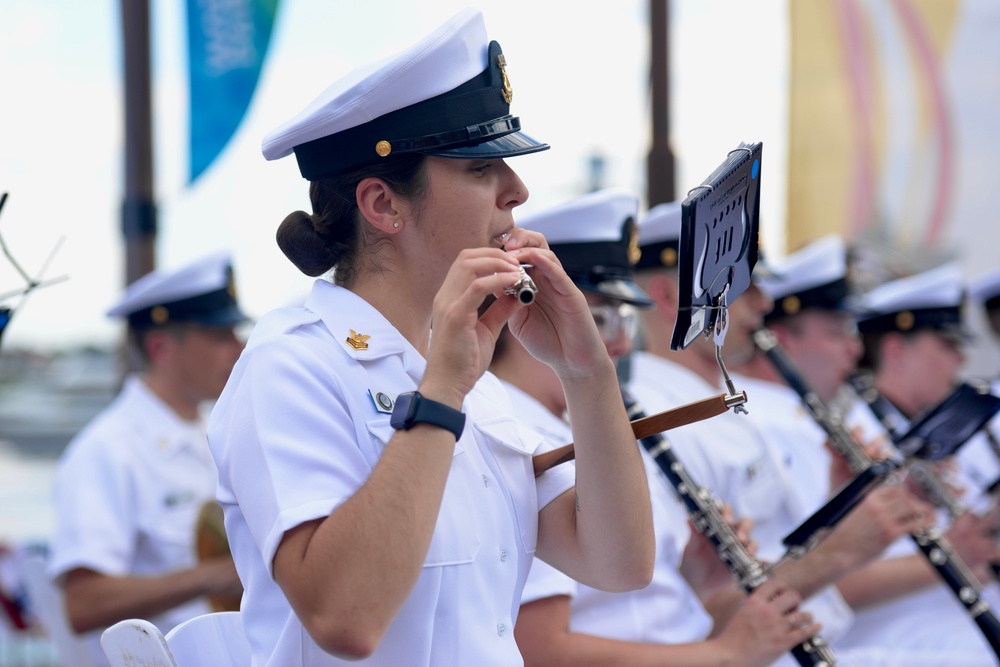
(303, 245)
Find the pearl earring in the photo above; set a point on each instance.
(395, 224)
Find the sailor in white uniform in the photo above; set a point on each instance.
(377, 485)
(129, 487)
(913, 339)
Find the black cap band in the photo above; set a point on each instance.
(904, 321)
(830, 296)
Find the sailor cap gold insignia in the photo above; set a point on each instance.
(634, 252)
(904, 320)
(791, 304)
(383, 148)
(668, 257)
(159, 315)
(358, 341)
(508, 92)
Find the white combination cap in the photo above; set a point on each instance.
(595, 238)
(929, 300)
(202, 292)
(449, 94)
(659, 235)
(812, 277)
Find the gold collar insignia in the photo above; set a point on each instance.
(358, 341)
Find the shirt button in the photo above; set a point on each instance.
(503, 555)
(501, 629)
(486, 481)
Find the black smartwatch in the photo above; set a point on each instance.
(411, 408)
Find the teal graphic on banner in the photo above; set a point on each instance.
(227, 42)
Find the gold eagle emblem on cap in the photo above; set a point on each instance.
(508, 92)
(358, 341)
(634, 251)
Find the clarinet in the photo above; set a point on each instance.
(703, 509)
(931, 541)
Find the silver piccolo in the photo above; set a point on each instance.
(524, 289)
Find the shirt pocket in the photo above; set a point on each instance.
(512, 454)
(759, 493)
(456, 538)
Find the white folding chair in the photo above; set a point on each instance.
(215, 640)
(46, 601)
(136, 643)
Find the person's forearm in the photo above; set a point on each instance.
(613, 539)
(348, 575)
(886, 580)
(95, 600)
(816, 570)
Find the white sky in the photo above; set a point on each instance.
(579, 71)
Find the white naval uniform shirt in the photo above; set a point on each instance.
(726, 455)
(295, 434)
(128, 490)
(928, 620)
(667, 611)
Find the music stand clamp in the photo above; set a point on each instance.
(717, 251)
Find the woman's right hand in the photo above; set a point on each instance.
(461, 344)
(767, 625)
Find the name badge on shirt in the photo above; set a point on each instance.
(178, 498)
(383, 400)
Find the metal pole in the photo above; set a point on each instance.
(138, 208)
(660, 162)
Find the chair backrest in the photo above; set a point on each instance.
(136, 643)
(45, 599)
(215, 640)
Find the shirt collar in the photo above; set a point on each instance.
(361, 330)
(163, 428)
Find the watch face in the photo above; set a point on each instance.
(402, 412)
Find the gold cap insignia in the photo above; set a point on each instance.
(791, 304)
(668, 257)
(230, 283)
(634, 251)
(358, 341)
(904, 321)
(383, 148)
(508, 92)
(159, 315)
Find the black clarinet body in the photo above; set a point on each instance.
(704, 511)
(932, 543)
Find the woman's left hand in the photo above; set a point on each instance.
(557, 328)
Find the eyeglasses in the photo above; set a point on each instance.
(613, 321)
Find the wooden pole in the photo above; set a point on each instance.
(660, 162)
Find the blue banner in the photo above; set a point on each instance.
(227, 42)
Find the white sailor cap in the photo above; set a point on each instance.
(929, 300)
(448, 94)
(202, 292)
(659, 236)
(812, 277)
(595, 238)
(986, 289)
